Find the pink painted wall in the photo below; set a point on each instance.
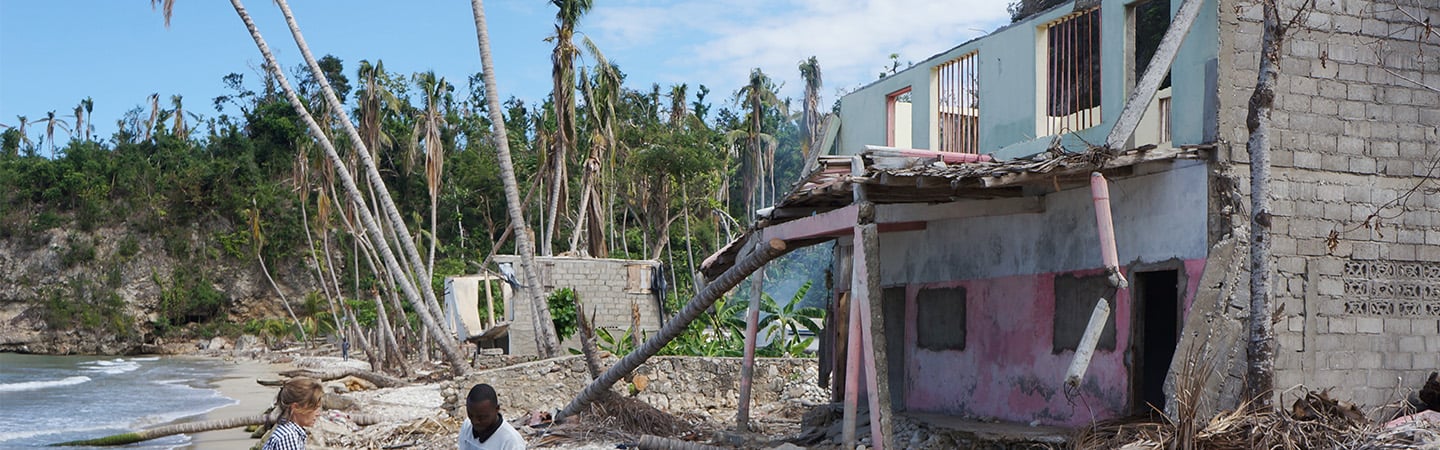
(1007, 370)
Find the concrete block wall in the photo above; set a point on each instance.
(604, 287)
(1356, 244)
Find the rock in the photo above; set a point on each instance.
(218, 343)
(248, 342)
(339, 402)
(787, 446)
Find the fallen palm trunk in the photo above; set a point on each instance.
(168, 430)
(197, 427)
(648, 442)
(675, 326)
(380, 380)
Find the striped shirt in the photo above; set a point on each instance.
(286, 436)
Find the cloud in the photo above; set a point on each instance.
(717, 42)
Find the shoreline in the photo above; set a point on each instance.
(238, 383)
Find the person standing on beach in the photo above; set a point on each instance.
(299, 403)
(484, 428)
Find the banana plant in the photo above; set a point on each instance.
(788, 320)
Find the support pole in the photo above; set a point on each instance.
(1088, 341)
(852, 377)
(489, 303)
(864, 287)
(698, 304)
(747, 367)
(868, 293)
(1100, 193)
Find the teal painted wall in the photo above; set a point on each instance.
(1008, 79)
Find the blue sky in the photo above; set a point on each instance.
(56, 52)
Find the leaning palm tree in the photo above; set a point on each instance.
(810, 71)
(545, 339)
(422, 308)
(422, 276)
(457, 361)
(562, 71)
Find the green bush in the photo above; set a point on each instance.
(81, 304)
(129, 246)
(80, 251)
(562, 312)
(189, 298)
(45, 221)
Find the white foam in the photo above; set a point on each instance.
(16, 435)
(112, 367)
(34, 385)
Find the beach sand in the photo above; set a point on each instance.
(239, 384)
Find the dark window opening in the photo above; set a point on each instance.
(1157, 306)
(1152, 18)
(1075, 299)
(940, 319)
(1073, 72)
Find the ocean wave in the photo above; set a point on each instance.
(18, 435)
(34, 385)
(111, 367)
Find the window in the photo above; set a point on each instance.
(940, 319)
(637, 280)
(1075, 299)
(957, 99)
(1072, 73)
(898, 112)
(1150, 19)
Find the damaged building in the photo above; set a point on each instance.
(961, 195)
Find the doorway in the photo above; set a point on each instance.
(1156, 299)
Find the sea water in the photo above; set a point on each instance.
(50, 399)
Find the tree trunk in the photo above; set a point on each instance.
(702, 301)
(1260, 374)
(380, 380)
(545, 340)
(283, 302)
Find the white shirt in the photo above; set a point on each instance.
(505, 438)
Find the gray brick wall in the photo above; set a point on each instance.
(604, 287)
(1352, 138)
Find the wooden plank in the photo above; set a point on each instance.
(1154, 74)
(823, 224)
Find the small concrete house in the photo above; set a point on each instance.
(613, 289)
(972, 170)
